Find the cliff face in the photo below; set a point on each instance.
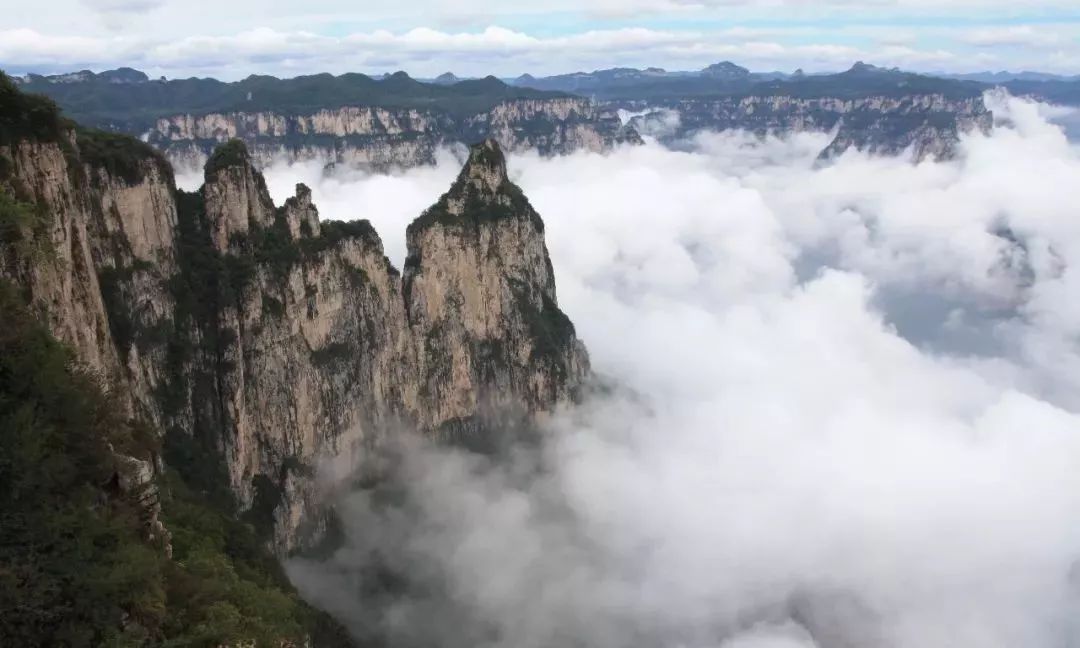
(93, 263)
(382, 138)
(928, 124)
(265, 340)
(322, 349)
(98, 271)
(481, 303)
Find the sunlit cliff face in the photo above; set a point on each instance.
(845, 410)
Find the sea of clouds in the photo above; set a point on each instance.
(845, 413)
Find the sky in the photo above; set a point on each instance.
(845, 413)
(230, 40)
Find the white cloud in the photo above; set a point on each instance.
(306, 47)
(806, 458)
(1014, 35)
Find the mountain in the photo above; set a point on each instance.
(98, 100)
(603, 84)
(242, 343)
(119, 75)
(104, 542)
(1049, 88)
(481, 247)
(1066, 93)
(1005, 77)
(726, 71)
(728, 79)
(397, 121)
(872, 109)
(350, 119)
(446, 78)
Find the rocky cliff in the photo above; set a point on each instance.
(480, 295)
(927, 125)
(381, 138)
(263, 340)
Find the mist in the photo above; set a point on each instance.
(840, 409)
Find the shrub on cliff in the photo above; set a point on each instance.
(28, 116)
(75, 567)
(122, 156)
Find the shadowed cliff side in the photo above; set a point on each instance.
(103, 542)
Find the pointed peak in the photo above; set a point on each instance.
(486, 167)
(229, 155)
(867, 69)
(482, 193)
(301, 198)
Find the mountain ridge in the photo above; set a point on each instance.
(255, 341)
(877, 110)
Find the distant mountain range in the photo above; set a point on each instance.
(1005, 77)
(395, 120)
(128, 100)
(109, 98)
(726, 78)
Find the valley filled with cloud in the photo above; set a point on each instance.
(839, 408)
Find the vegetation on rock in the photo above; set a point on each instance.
(134, 107)
(23, 227)
(230, 154)
(121, 156)
(28, 116)
(76, 568)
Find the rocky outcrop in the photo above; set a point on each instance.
(480, 295)
(550, 126)
(927, 125)
(136, 480)
(236, 199)
(383, 138)
(263, 340)
(323, 348)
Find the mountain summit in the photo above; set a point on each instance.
(480, 290)
(726, 71)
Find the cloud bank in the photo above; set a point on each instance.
(846, 413)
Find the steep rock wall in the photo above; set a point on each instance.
(481, 302)
(928, 124)
(383, 138)
(265, 341)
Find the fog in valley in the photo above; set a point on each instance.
(839, 407)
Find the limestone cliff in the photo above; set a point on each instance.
(316, 349)
(381, 138)
(98, 273)
(262, 340)
(88, 228)
(929, 125)
(303, 354)
(480, 295)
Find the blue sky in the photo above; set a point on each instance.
(506, 38)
